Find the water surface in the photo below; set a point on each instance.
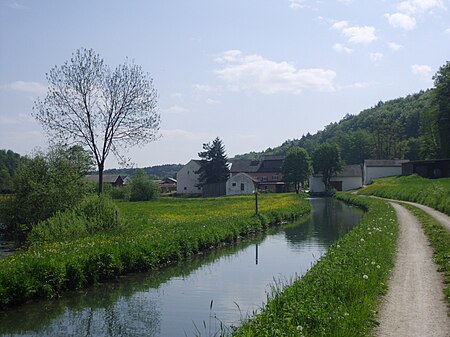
(196, 297)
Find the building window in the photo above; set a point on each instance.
(275, 178)
(233, 184)
(242, 186)
(185, 188)
(264, 178)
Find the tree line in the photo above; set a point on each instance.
(414, 127)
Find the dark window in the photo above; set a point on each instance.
(233, 184)
(275, 178)
(242, 187)
(264, 178)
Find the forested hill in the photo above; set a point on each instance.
(154, 172)
(400, 128)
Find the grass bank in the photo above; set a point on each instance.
(439, 238)
(339, 295)
(158, 233)
(431, 192)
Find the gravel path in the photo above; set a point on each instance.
(415, 303)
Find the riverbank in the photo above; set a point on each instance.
(158, 233)
(339, 295)
(430, 192)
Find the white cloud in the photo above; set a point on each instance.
(254, 73)
(422, 70)
(395, 46)
(296, 4)
(356, 34)
(400, 20)
(375, 57)
(16, 5)
(420, 6)
(35, 88)
(447, 31)
(176, 109)
(202, 88)
(358, 85)
(340, 48)
(212, 101)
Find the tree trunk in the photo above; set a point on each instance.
(101, 167)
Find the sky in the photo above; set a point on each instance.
(254, 73)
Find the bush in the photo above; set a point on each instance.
(142, 188)
(44, 185)
(120, 192)
(95, 214)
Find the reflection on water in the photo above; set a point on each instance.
(192, 297)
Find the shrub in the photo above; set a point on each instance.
(142, 188)
(101, 213)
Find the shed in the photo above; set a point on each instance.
(381, 168)
(438, 168)
(240, 184)
(349, 179)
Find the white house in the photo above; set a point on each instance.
(381, 168)
(239, 184)
(349, 179)
(187, 179)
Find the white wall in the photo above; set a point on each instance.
(234, 185)
(187, 179)
(348, 183)
(373, 172)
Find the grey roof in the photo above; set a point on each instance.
(247, 166)
(245, 175)
(349, 171)
(384, 163)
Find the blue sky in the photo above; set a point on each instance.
(254, 73)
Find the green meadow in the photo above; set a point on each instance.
(431, 192)
(153, 234)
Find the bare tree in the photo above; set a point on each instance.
(103, 110)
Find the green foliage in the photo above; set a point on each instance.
(120, 192)
(95, 214)
(163, 231)
(45, 184)
(154, 172)
(414, 127)
(142, 188)
(214, 163)
(431, 192)
(296, 167)
(327, 161)
(442, 92)
(339, 295)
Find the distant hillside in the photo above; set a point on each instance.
(392, 129)
(154, 172)
(413, 127)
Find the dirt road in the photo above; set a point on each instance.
(415, 303)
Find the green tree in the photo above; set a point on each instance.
(142, 188)
(442, 97)
(6, 183)
(327, 160)
(296, 167)
(44, 185)
(214, 163)
(101, 109)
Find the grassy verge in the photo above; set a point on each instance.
(158, 233)
(338, 296)
(439, 238)
(431, 192)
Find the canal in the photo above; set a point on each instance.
(203, 296)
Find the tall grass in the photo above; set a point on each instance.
(158, 233)
(431, 192)
(337, 296)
